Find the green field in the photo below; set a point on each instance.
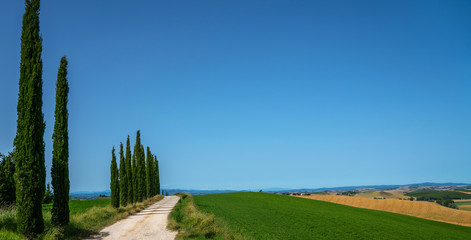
(80, 206)
(270, 216)
(439, 194)
(463, 203)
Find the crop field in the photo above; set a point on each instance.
(422, 209)
(463, 204)
(270, 216)
(440, 194)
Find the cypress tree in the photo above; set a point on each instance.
(136, 166)
(60, 153)
(149, 161)
(7, 181)
(157, 177)
(114, 183)
(142, 179)
(30, 172)
(123, 184)
(129, 179)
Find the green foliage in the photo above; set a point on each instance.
(270, 216)
(48, 196)
(156, 175)
(136, 155)
(431, 195)
(129, 178)
(123, 178)
(30, 172)
(114, 184)
(149, 163)
(7, 181)
(142, 176)
(60, 153)
(447, 203)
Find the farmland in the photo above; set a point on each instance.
(422, 209)
(269, 216)
(434, 194)
(463, 204)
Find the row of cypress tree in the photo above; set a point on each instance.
(30, 171)
(137, 177)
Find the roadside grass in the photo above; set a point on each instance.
(270, 216)
(193, 224)
(87, 217)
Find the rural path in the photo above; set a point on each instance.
(150, 223)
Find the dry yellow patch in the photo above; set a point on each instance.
(420, 209)
(386, 194)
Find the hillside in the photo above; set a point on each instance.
(422, 209)
(270, 216)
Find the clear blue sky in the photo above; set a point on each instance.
(256, 94)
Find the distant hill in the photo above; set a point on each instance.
(425, 185)
(89, 194)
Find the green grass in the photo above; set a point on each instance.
(270, 216)
(86, 217)
(80, 206)
(439, 194)
(463, 203)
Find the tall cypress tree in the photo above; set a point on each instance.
(123, 184)
(142, 179)
(7, 181)
(154, 175)
(60, 153)
(30, 172)
(129, 179)
(157, 177)
(149, 161)
(114, 183)
(136, 166)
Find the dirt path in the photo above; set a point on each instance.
(150, 223)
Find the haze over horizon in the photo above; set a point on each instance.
(255, 94)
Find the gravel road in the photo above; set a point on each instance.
(150, 223)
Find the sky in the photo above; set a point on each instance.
(255, 94)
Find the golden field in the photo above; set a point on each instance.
(427, 210)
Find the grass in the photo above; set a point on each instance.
(439, 194)
(79, 206)
(87, 217)
(193, 224)
(270, 216)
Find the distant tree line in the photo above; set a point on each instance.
(137, 177)
(22, 171)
